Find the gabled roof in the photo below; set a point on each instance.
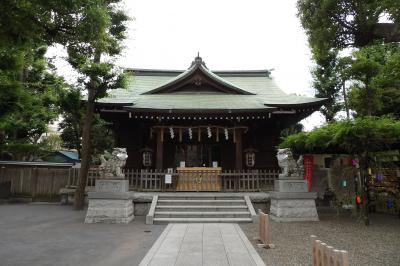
(176, 90)
(199, 75)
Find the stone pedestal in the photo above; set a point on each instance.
(290, 202)
(111, 203)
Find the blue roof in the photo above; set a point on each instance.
(70, 154)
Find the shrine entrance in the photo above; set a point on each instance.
(198, 166)
(197, 155)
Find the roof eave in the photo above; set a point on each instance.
(198, 111)
(317, 103)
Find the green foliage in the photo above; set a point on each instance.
(376, 82)
(73, 111)
(35, 106)
(327, 83)
(102, 139)
(292, 130)
(338, 24)
(358, 136)
(332, 26)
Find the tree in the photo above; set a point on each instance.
(37, 89)
(348, 23)
(26, 27)
(101, 28)
(360, 137)
(375, 86)
(332, 26)
(328, 84)
(73, 110)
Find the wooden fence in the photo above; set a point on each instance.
(324, 255)
(35, 182)
(48, 181)
(264, 229)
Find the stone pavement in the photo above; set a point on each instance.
(202, 244)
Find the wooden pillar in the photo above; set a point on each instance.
(160, 149)
(238, 148)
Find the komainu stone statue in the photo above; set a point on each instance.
(291, 200)
(288, 164)
(111, 164)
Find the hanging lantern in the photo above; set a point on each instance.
(226, 133)
(209, 134)
(190, 133)
(358, 200)
(171, 132)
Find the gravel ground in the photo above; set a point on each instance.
(45, 234)
(375, 245)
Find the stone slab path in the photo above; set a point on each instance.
(202, 244)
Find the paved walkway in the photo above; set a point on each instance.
(202, 244)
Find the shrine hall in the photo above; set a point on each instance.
(202, 119)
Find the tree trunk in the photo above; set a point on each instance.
(346, 105)
(79, 200)
(389, 32)
(386, 32)
(364, 190)
(85, 152)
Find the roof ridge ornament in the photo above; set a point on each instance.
(198, 61)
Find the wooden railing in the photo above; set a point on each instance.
(49, 181)
(245, 180)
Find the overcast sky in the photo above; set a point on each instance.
(228, 34)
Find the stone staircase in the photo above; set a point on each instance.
(200, 208)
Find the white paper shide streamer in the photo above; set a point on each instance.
(190, 133)
(209, 134)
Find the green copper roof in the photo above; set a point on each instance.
(257, 89)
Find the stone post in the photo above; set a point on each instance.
(290, 200)
(111, 202)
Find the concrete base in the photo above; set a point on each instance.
(109, 211)
(111, 203)
(293, 207)
(290, 185)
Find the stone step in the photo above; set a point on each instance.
(201, 208)
(161, 202)
(200, 198)
(200, 195)
(207, 214)
(201, 220)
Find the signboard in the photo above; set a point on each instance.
(168, 179)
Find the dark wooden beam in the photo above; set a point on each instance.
(160, 148)
(238, 149)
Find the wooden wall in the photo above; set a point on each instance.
(134, 134)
